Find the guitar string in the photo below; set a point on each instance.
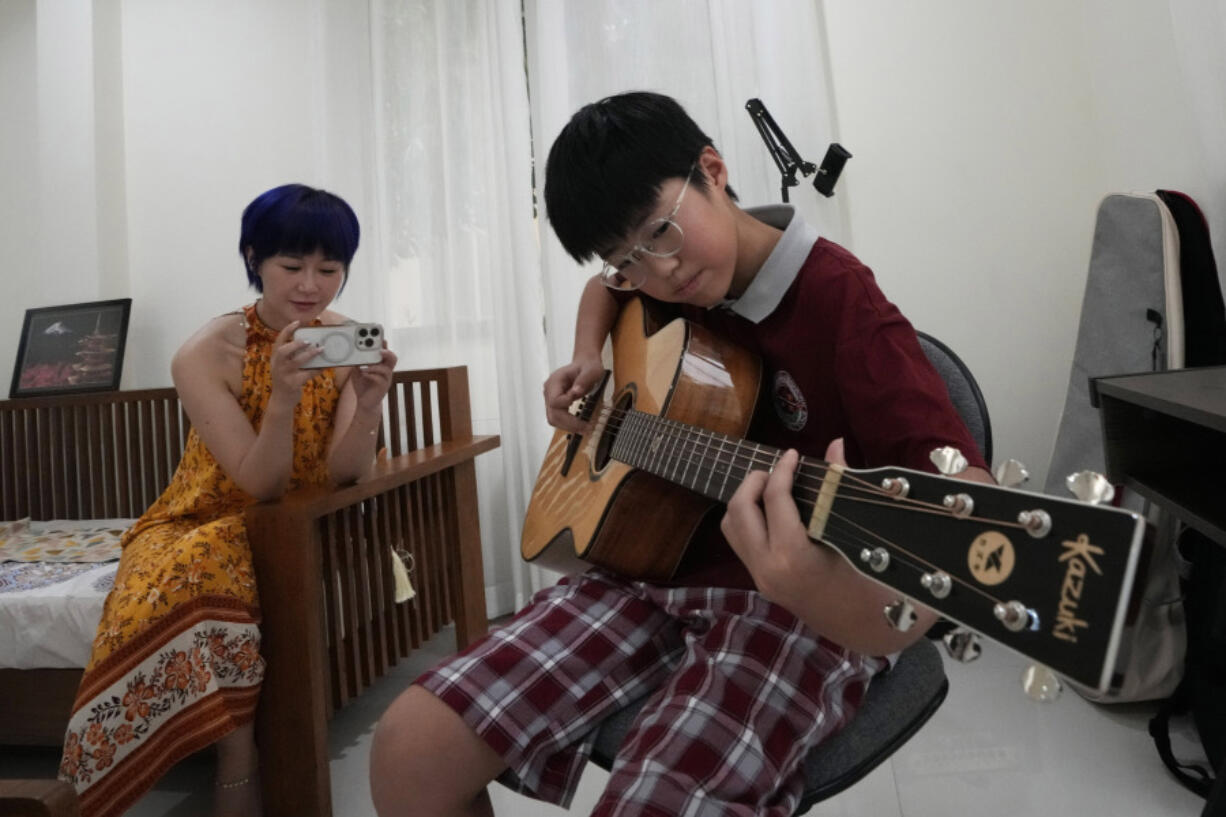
(852, 487)
(859, 490)
(853, 532)
(850, 531)
(694, 431)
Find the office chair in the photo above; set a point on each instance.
(963, 391)
(898, 702)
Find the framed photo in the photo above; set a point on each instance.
(71, 348)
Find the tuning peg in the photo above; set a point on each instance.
(900, 615)
(1037, 522)
(1090, 486)
(948, 460)
(1016, 616)
(962, 645)
(876, 558)
(961, 505)
(1011, 473)
(938, 583)
(1041, 684)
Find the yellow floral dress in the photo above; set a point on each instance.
(176, 663)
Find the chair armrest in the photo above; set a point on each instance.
(288, 537)
(312, 503)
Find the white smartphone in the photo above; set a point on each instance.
(349, 344)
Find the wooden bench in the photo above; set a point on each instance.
(330, 625)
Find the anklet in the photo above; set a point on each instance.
(234, 784)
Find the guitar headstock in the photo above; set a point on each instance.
(1049, 577)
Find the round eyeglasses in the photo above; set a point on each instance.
(658, 238)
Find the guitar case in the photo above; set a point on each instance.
(1132, 320)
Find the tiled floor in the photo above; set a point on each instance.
(989, 750)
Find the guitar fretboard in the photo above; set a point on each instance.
(711, 464)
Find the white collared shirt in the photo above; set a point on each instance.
(778, 272)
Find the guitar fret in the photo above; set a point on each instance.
(653, 442)
(710, 471)
(698, 456)
(695, 443)
(807, 469)
(723, 496)
(661, 444)
(671, 457)
(651, 463)
(643, 430)
(683, 458)
(631, 435)
(679, 436)
(701, 448)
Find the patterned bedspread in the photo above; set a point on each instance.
(61, 540)
(49, 608)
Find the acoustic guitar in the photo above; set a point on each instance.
(1048, 577)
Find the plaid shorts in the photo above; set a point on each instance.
(741, 690)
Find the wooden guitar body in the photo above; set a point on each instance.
(588, 508)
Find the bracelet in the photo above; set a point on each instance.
(234, 784)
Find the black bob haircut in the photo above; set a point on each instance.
(297, 220)
(605, 169)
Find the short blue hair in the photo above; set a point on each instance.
(294, 219)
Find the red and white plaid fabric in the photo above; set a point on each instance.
(742, 691)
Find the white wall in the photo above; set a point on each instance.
(145, 127)
(985, 134)
(221, 102)
(18, 177)
(48, 215)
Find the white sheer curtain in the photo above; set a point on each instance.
(710, 55)
(471, 277)
(456, 238)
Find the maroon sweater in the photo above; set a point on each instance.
(838, 360)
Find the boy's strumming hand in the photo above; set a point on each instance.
(566, 385)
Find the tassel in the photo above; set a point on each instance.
(404, 590)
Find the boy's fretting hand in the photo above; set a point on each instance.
(764, 528)
(816, 584)
(566, 385)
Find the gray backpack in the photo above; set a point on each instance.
(1131, 321)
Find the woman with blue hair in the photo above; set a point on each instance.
(176, 664)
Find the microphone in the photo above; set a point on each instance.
(788, 159)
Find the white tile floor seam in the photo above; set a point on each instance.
(987, 750)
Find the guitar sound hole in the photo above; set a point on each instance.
(604, 446)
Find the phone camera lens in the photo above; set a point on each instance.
(361, 333)
(374, 331)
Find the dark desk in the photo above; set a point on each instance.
(1164, 436)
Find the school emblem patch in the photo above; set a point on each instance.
(790, 404)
